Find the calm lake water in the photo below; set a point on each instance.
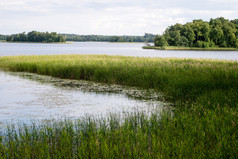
(125, 49)
(24, 100)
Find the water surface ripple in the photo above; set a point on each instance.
(105, 48)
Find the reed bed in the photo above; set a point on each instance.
(203, 125)
(187, 135)
(185, 80)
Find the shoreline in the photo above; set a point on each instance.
(203, 94)
(67, 42)
(189, 48)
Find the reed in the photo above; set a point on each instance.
(203, 125)
(189, 134)
(181, 80)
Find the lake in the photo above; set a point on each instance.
(124, 49)
(26, 97)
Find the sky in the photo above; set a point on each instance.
(108, 17)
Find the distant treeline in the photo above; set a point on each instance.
(217, 32)
(3, 37)
(146, 38)
(35, 36)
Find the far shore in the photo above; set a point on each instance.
(67, 42)
(189, 48)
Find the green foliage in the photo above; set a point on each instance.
(3, 37)
(160, 41)
(202, 125)
(35, 36)
(146, 38)
(117, 39)
(201, 44)
(194, 133)
(190, 48)
(176, 78)
(217, 32)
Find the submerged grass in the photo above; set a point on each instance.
(205, 93)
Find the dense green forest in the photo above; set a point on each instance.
(219, 32)
(35, 36)
(74, 37)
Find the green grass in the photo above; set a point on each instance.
(190, 48)
(184, 80)
(205, 94)
(189, 134)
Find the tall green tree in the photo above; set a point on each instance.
(219, 32)
(160, 41)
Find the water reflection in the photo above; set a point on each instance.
(23, 100)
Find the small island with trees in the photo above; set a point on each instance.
(217, 34)
(35, 36)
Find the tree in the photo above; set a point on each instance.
(217, 32)
(160, 41)
(3, 37)
(217, 35)
(189, 34)
(35, 36)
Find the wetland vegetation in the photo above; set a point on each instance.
(202, 125)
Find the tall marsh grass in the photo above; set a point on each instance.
(184, 80)
(205, 93)
(187, 135)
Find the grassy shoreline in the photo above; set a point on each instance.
(189, 48)
(203, 125)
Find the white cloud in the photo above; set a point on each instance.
(224, 1)
(118, 17)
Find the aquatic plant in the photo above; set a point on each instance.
(203, 125)
(189, 134)
(185, 80)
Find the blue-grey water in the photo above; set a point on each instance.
(23, 100)
(125, 49)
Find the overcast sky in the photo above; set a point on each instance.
(108, 17)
